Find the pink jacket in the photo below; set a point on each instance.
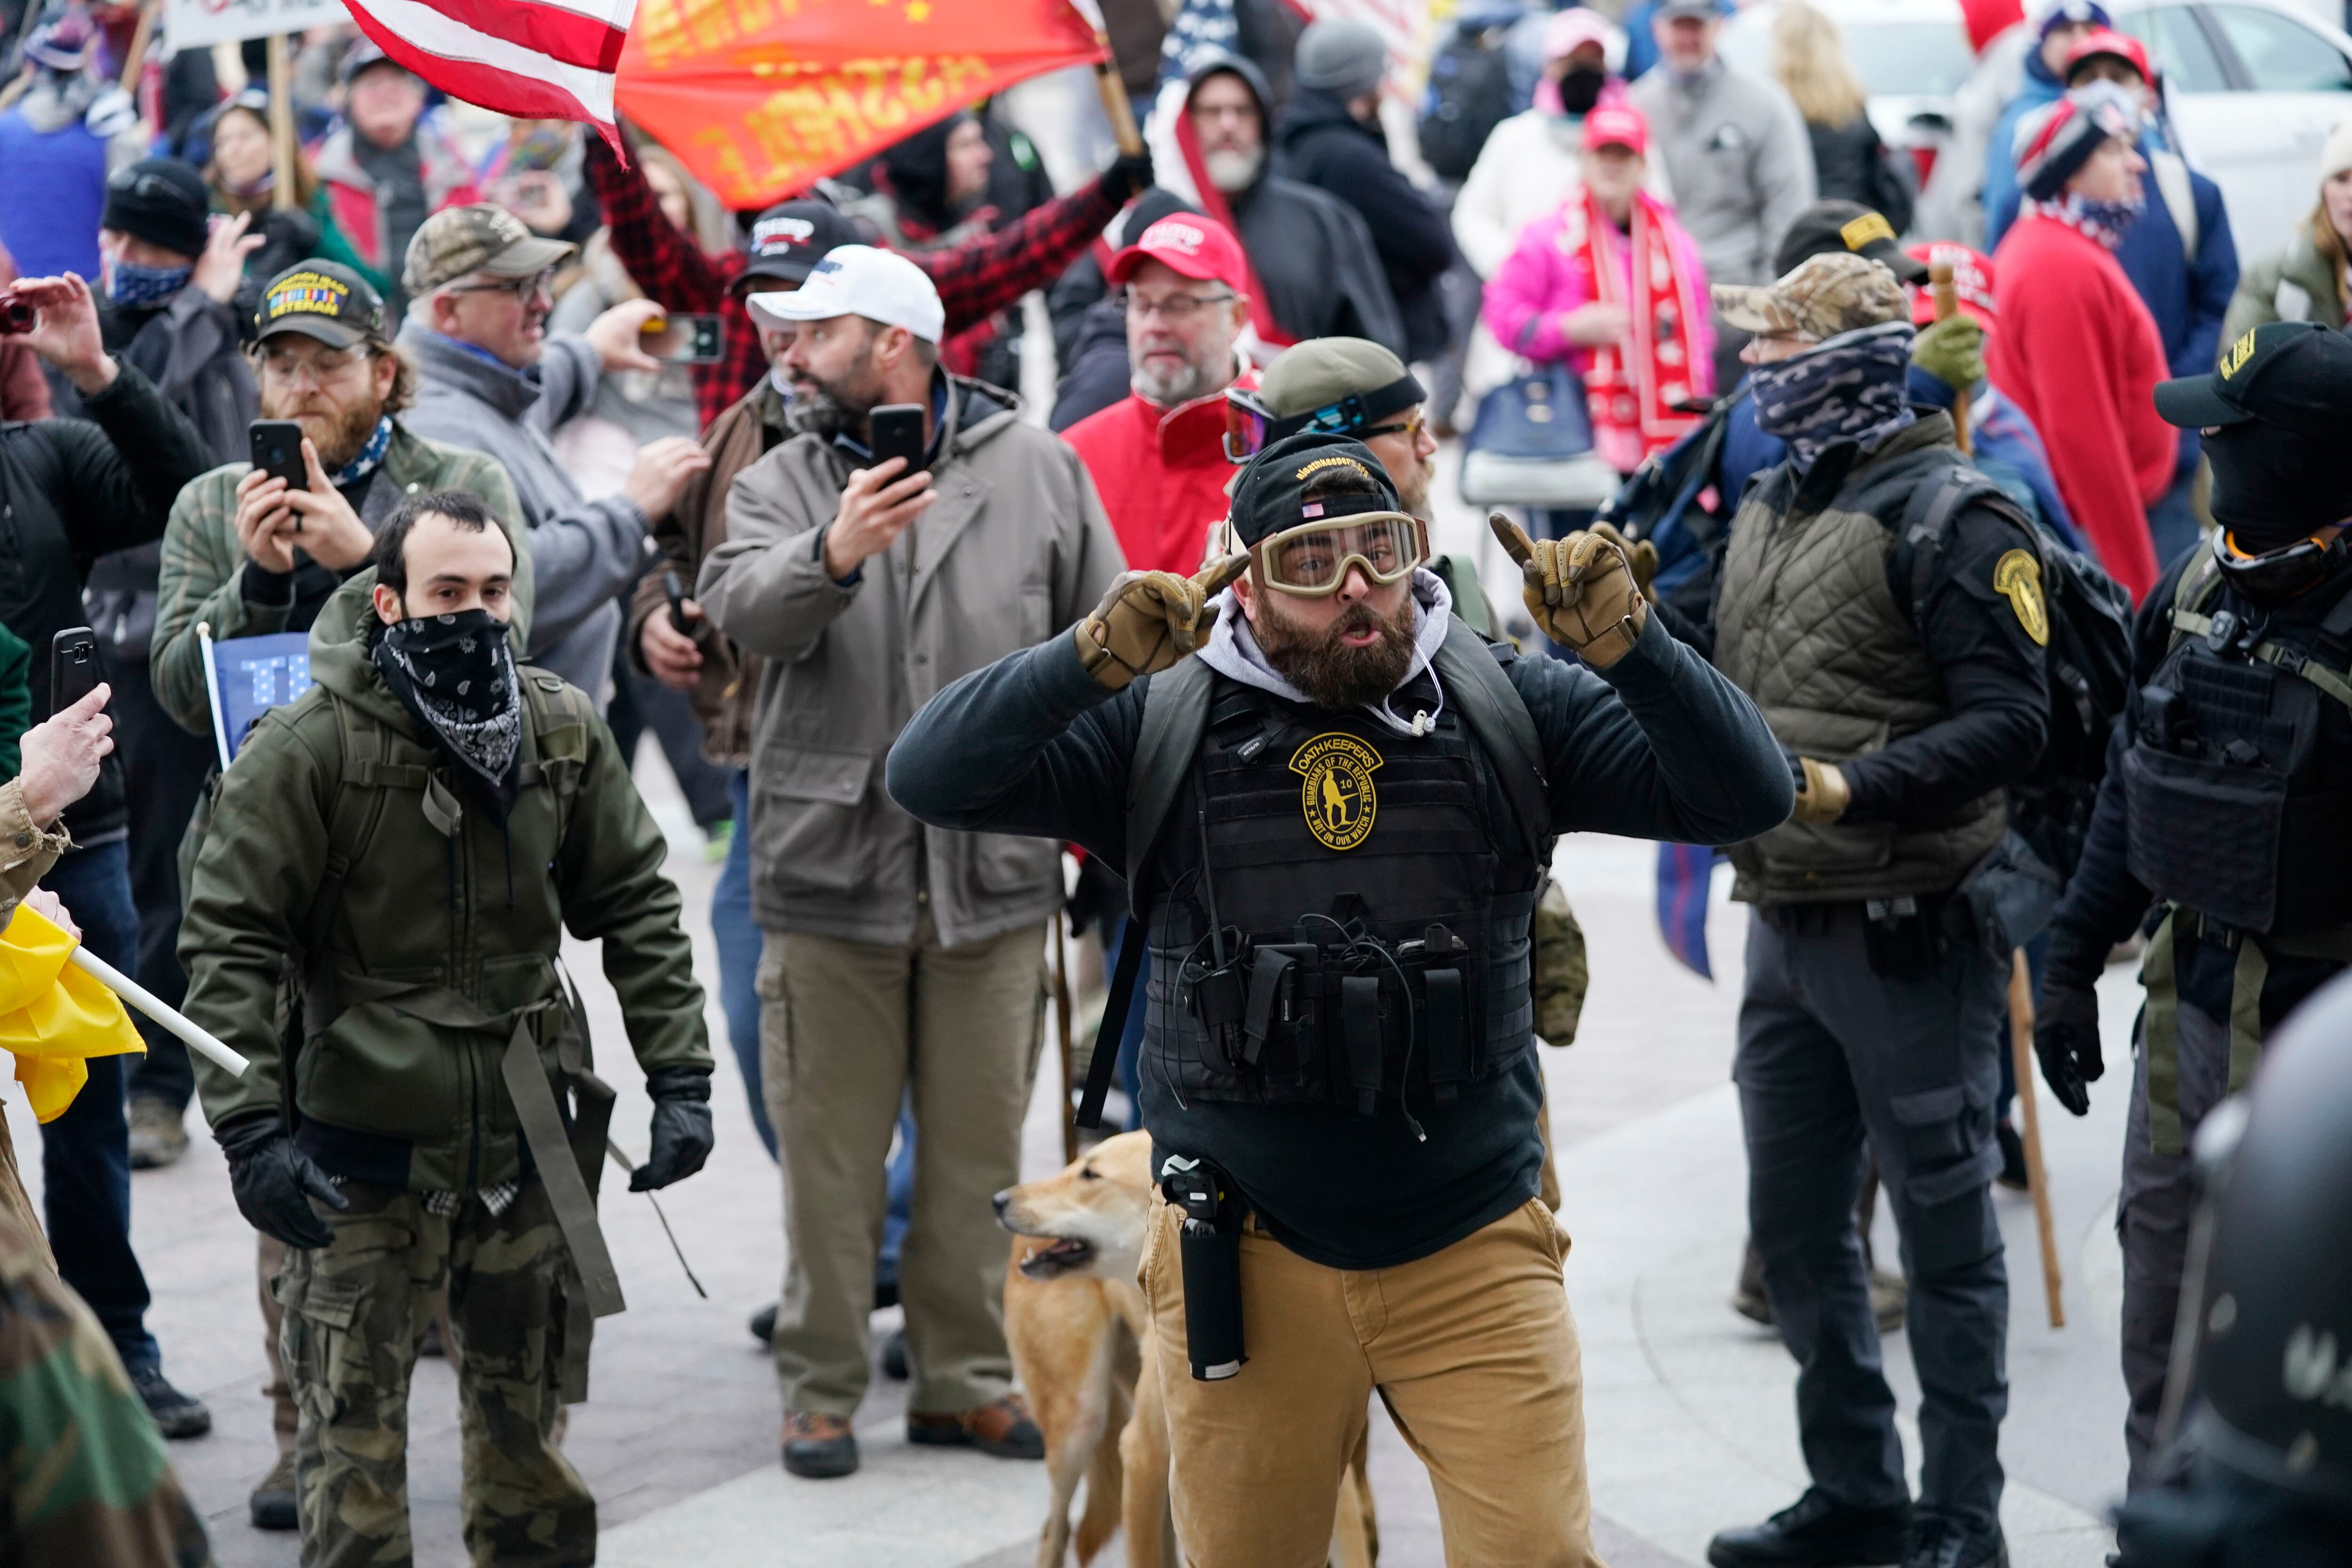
(1542, 279)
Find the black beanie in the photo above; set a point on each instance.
(162, 200)
(2272, 487)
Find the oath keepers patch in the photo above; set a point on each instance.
(1336, 789)
(2018, 574)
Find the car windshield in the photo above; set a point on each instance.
(1895, 59)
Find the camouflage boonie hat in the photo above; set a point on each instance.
(475, 238)
(1822, 297)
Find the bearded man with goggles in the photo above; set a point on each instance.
(2221, 827)
(1334, 803)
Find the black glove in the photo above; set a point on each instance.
(1129, 174)
(275, 1182)
(681, 1135)
(2066, 1039)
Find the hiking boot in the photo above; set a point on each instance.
(176, 1414)
(1938, 1542)
(1890, 1293)
(272, 1502)
(818, 1447)
(1002, 1426)
(894, 1355)
(2012, 1157)
(159, 1132)
(1818, 1532)
(763, 1324)
(1748, 1297)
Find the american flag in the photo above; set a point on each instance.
(540, 59)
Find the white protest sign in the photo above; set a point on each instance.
(200, 24)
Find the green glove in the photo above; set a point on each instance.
(1952, 351)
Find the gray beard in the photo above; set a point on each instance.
(821, 413)
(1233, 171)
(1170, 389)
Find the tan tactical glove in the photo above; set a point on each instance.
(1642, 557)
(1148, 620)
(1581, 590)
(1821, 792)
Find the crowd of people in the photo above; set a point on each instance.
(1829, 476)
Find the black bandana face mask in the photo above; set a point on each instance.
(456, 674)
(2272, 487)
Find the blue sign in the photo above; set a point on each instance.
(254, 675)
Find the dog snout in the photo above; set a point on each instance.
(1001, 1201)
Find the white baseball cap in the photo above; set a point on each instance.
(860, 280)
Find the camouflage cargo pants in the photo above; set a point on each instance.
(354, 1312)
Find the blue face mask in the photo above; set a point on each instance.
(127, 283)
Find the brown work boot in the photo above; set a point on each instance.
(1002, 1427)
(818, 1447)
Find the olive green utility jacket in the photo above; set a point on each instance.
(439, 942)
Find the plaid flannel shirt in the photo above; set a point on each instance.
(974, 281)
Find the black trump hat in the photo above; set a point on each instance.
(2296, 375)
(1270, 494)
(790, 238)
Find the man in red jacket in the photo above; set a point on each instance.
(2077, 350)
(1157, 457)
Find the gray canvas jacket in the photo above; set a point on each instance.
(586, 555)
(1741, 163)
(1016, 548)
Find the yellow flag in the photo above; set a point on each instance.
(52, 1016)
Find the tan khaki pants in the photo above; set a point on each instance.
(845, 1028)
(1474, 1352)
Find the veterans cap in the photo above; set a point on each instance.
(792, 237)
(321, 300)
(1270, 494)
(2296, 375)
(860, 280)
(1198, 248)
(1827, 227)
(478, 238)
(1825, 296)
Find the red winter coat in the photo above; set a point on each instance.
(1162, 475)
(2080, 356)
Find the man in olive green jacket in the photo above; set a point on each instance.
(402, 850)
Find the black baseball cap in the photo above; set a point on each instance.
(1268, 497)
(793, 236)
(1827, 227)
(321, 300)
(2296, 375)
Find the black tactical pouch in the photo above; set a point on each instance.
(1903, 938)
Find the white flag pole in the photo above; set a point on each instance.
(147, 1002)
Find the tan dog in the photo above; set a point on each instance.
(1082, 1344)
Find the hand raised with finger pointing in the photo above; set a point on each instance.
(1150, 620)
(1581, 590)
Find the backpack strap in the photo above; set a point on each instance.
(1927, 522)
(2197, 588)
(560, 722)
(1175, 714)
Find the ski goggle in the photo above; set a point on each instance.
(2276, 575)
(1312, 560)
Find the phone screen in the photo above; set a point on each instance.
(898, 430)
(73, 666)
(684, 338)
(277, 451)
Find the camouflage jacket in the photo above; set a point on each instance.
(26, 852)
(86, 1479)
(204, 569)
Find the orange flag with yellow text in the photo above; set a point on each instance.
(53, 1016)
(761, 98)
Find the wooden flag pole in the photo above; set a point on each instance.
(143, 35)
(1121, 113)
(1063, 992)
(2021, 1041)
(1947, 301)
(282, 125)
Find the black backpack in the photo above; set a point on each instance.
(2088, 662)
(1469, 94)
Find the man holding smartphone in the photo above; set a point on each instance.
(78, 488)
(894, 956)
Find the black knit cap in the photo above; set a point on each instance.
(1270, 494)
(159, 200)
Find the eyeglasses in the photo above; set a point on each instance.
(1250, 426)
(1312, 560)
(523, 289)
(1176, 309)
(283, 364)
(2278, 575)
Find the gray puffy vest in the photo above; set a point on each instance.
(1807, 626)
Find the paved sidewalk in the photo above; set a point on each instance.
(1690, 1411)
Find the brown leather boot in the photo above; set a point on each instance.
(818, 1447)
(1002, 1427)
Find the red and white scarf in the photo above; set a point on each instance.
(1632, 388)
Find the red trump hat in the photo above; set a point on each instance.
(1197, 246)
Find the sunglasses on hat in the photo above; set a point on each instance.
(1250, 426)
(1311, 560)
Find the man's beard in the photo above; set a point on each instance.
(1179, 385)
(1230, 171)
(1412, 493)
(1331, 673)
(817, 412)
(346, 432)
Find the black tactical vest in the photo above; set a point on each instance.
(1371, 894)
(2237, 781)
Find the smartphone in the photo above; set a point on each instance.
(675, 592)
(277, 451)
(73, 667)
(897, 429)
(683, 339)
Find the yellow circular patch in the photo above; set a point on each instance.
(2018, 574)
(1336, 789)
